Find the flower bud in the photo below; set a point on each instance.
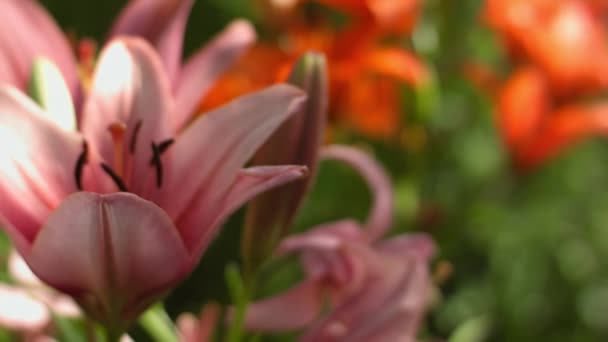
(297, 141)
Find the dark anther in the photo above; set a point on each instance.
(117, 180)
(134, 137)
(80, 162)
(164, 145)
(157, 162)
(161, 147)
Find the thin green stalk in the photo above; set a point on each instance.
(240, 299)
(158, 324)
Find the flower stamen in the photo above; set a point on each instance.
(133, 143)
(157, 162)
(162, 147)
(80, 163)
(116, 178)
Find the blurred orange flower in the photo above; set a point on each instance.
(565, 38)
(534, 127)
(365, 74)
(560, 52)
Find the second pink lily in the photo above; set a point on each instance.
(377, 290)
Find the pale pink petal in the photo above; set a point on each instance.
(249, 182)
(37, 161)
(64, 306)
(290, 310)
(29, 32)
(161, 22)
(187, 324)
(21, 272)
(206, 158)
(129, 87)
(19, 311)
(381, 214)
(58, 303)
(117, 253)
(202, 70)
(198, 329)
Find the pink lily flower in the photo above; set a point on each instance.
(113, 251)
(377, 290)
(30, 33)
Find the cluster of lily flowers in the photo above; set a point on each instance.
(553, 95)
(366, 56)
(112, 186)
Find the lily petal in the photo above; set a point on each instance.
(129, 87)
(205, 159)
(20, 311)
(161, 22)
(117, 253)
(399, 64)
(33, 160)
(49, 89)
(271, 314)
(202, 69)
(248, 183)
(322, 253)
(563, 128)
(523, 104)
(29, 33)
(199, 329)
(381, 214)
(21, 272)
(389, 304)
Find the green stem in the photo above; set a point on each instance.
(240, 299)
(158, 324)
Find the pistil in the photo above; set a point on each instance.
(118, 130)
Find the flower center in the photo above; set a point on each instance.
(122, 165)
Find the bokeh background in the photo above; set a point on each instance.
(522, 256)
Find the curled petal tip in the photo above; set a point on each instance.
(381, 214)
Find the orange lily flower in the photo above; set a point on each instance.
(534, 128)
(560, 50)
(565, 38)
(364, 75)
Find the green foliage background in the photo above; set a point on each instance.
(529, 253)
